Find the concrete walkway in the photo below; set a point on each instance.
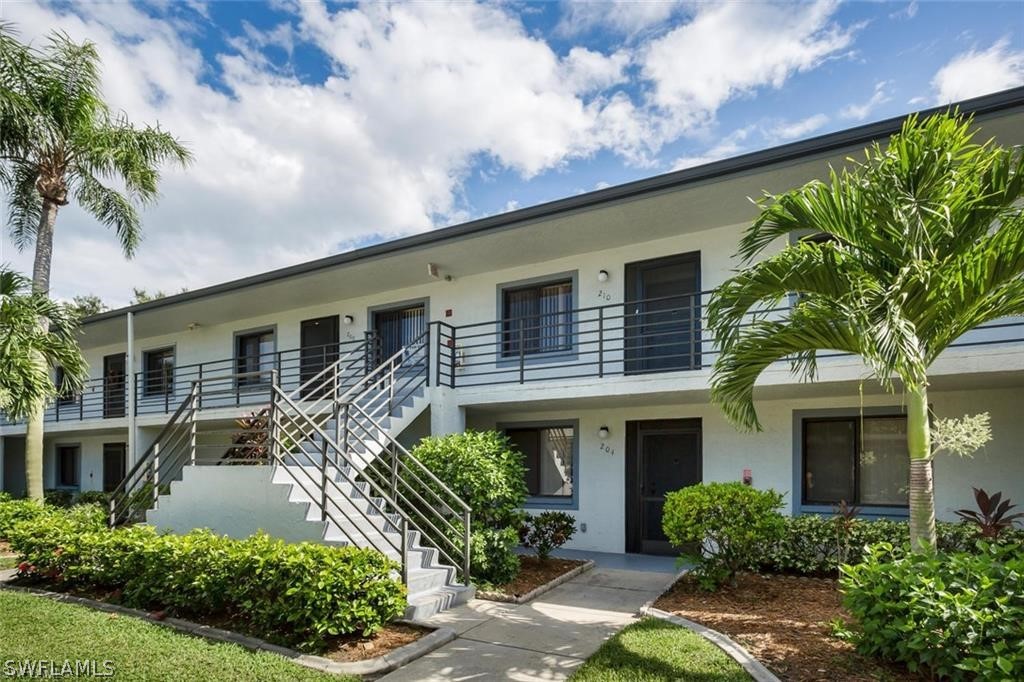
(546, 639)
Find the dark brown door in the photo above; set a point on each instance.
(662, 315)
(114, 385)
(661, 456)
(115, 463)
(318, 348)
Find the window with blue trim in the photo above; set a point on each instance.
(548, 452)
(862, 460)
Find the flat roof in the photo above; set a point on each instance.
(1000, 101)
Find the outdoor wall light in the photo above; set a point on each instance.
(603, 432)
(602, 275)
(349, 319)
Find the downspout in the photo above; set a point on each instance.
(130, 385)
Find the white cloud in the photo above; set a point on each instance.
(909, 11)
(796, 129)
(879, 96)
(626, 17)
(287, 170)
(732, 49)
(975, 73)
(730, 145)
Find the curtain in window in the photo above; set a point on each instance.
(884, 461)
(540, 316)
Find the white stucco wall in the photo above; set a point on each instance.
(769, 454)
(90, 474)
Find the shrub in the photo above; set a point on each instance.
(12, 511)
(957, 615)
(811, 545)
(729, 523)
(992, 518)
(483, 469)
(93, 497)
(58, 497)
(547, 531)
(294, 594)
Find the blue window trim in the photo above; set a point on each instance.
(866, 511)
(538, 358)
(572, 502)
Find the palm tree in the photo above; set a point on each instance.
(24, 380)
(59, 143)
(913, 246)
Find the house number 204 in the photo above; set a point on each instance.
(607, 448)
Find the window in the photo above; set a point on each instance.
(536, 318)
(67, 466)
(861, 460)
(64, 397)
(254, 352)
(158, 372)
(550, 455)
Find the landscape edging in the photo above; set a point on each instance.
(537, 591)
(384, 663)
(754, 667)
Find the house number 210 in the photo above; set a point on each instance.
(604, 295)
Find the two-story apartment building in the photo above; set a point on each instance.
(576, 327)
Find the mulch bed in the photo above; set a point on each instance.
(5, 549)
(782, 621)
(534, 573)
(342, 649)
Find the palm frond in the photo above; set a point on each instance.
(111, 208)
(24, 204)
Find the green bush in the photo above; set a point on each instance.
(956, 615)
(729, 524)
(547, 531)
(58, 497)
(14, 510)
(483, 469)
(813, 545)
(93, 497)
(294, 594)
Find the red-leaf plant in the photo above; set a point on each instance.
(992, 516)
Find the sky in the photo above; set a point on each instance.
(319, 128)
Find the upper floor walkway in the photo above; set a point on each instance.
(541, 345)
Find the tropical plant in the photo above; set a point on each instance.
(992, 516)
(28, 350)
(547, 531)
(723, 528)
(59, 142)
(915, 245)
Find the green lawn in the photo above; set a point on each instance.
(8, 562)
(653, 650)
(34, 628)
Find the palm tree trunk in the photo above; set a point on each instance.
(922, 489)
(40, 284)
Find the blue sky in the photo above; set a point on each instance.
(318, 128)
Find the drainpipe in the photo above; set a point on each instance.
(130, 386)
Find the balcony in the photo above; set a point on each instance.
(641, 338)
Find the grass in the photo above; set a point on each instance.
(652, 650)
(37, 628)
(8, 562)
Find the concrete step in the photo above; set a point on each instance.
(427, 604)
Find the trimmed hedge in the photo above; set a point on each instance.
(812, 545)
(957, 615)
(294, 594)
(485, 471)
(727, 524)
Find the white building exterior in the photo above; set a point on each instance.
(537, 324)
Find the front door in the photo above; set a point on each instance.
(397, 328)
(661, 456)
(115, 461)
(114, 385)
(318, 348)
(662, 316)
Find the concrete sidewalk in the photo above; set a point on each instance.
(546, 639)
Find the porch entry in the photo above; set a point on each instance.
(115, 464)
(662, 315)
(661, 456)
(397, 327)
(114, 371)
(318, 348)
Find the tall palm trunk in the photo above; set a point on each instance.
(40, 284)
(922, 489)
